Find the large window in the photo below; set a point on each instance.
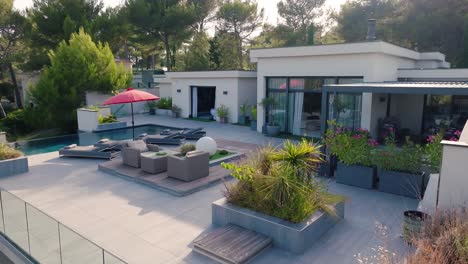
(299, 103)
(447, 112)
(345, 109)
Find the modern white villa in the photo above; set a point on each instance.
(365, 85)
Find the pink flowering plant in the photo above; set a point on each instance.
(351, 147)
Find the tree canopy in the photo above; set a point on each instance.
(77, 66)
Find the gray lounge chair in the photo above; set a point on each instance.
(131, 153)
(195, 165)
(174, 139)
(118, 144)
(95, 152)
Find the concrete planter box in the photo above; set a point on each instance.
(359, 176)
(295, 238)
(109, 126)
(88, 119)
(163, 112)
(13, 166)
(401, 183)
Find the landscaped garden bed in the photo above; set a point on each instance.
(353, 149)
(278, 195)
(12, 162)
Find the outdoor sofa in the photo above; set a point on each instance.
(131, 152)
(195, 165)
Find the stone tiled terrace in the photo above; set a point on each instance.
(143, 225)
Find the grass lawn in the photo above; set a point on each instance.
(219, 155)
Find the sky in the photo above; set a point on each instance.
(271, 12)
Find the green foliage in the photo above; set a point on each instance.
(19, 122)
(222, 111)
(151, 105)
(107, 119)
(198, 56)
(186, 148)
(280, 182)
(76, 67)
(7, 152)
(351, 147)
(268, 103)
(244, 108)
(164, 103)
(254, 113)
(407, 158)
(241, 19)
(433, 152)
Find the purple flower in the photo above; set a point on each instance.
(357, 136)
(373, 142)
(457, 133)
(431, 139)
(453, 139)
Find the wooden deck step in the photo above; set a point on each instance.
(231, 244)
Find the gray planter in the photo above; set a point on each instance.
(13, 166)
(243, 120)
(163, 112)
(285, 235)
(110, 126)
(272, 130)
(253, 125)
(223, 120)
(359, 176)
(401, 183)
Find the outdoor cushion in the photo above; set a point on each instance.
(71, 146)
(138, 144)
(194, 153)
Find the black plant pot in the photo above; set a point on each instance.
(253, 125)
(272, 131)
(152, 111)
(401, 183)
(354, 175)
(243, 120)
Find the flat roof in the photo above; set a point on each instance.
(449, 88)
(211, 74)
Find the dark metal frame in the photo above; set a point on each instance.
(191, 96)
(288, 90)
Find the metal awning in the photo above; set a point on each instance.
(441, 88)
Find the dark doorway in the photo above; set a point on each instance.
(203, 100)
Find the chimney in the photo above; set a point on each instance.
(371, 27)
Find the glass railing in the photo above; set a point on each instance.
(45, 239)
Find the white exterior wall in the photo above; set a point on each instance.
(434, 74)
(371, 66)
(238, 85)
(453, 180)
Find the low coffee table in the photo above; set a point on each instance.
(153, 163)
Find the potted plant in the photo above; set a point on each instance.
(277, 195)
(272, 127)
(399, 168)
(176, 111)
(151, 106)
(244, 110)
(12, 161)
(253, 119)
(222, 112)
(164, 106)
(353, 150)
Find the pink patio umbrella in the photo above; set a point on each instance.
(131, 96)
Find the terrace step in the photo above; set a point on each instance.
(231, 244)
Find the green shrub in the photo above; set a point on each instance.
(281, 182)
(222, 111)
(244, 109)
(433, 152)
(352, 147)
(254, 113)
(407, 158)
(7, 152)
(151, 105)
(164, 103)
(184, 149)
(19, 122)
(107, 119)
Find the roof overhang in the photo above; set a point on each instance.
(436, 88)
(211, 74)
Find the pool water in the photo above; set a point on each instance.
(45, 145)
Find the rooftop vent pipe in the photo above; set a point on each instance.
(371, 27)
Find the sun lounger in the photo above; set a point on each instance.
(174, 139)
(89, 152)
(107, 143)
(187, 133)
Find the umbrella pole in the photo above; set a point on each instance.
(133, 123)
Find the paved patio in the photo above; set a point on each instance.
(143, 225)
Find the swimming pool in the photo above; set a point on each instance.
(45, 145)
